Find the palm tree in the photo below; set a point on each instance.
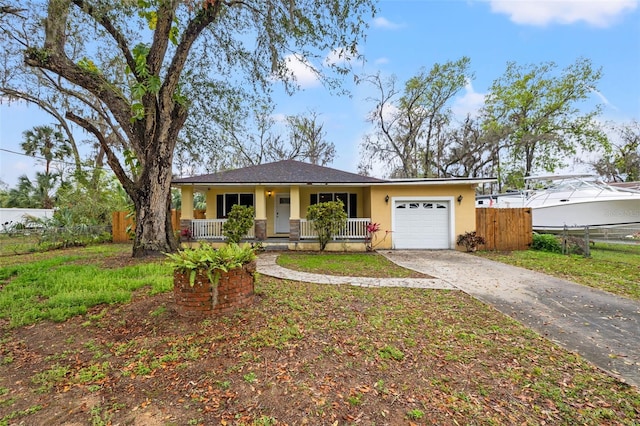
(36, 195)
(22, 195)
(47, 143)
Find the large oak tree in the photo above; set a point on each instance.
(133, 68)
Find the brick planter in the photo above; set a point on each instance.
(234, 290)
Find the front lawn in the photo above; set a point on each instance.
(302, 354)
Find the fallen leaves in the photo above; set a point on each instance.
(320, 355)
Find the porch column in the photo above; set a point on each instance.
(294, 216)
(210, 200)
(260, 221)
(186, 211)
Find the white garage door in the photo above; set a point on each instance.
(421, 225)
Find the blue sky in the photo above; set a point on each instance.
(410, 34)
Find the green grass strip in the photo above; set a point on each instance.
(344, 264)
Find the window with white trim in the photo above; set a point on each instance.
(349, 200)
(224, 202)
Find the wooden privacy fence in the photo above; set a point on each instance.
(504, 229)
(120, 222)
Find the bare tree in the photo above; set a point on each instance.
(252, 135)
(409, 125)
(469, 152)
(308, 140)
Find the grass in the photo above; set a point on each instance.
(345, 264)
(92, 253)
(46, 239)
(612, 267)
(12, 244)
(57, 287)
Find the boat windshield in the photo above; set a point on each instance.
(576, 185)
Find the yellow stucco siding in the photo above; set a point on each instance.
(370, 203)
(381, 210)
(271, 197)
(304, 198)
(210, 200)
(260, 203)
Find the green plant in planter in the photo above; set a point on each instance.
(205, 258)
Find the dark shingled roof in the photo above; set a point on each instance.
(285, 172)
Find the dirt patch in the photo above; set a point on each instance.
(302, 354)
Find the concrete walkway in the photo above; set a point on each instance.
(267, 265)
(603, 328)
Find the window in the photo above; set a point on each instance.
(224, 203)
(349, 200)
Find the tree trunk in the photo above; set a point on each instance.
(154, 231)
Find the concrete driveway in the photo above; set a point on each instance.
(603, 328)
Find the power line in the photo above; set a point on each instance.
(53, 160)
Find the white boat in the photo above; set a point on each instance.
(572, 201)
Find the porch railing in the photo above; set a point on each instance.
(211, 229)
(355, 228)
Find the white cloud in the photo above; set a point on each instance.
(381, 61)
(384, 23)
(390, 112)
(599, 13)
(279, 117)
(302, 70)
(470, 103)
(306, 74)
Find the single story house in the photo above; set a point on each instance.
(412, 213)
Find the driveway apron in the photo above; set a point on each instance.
(602, 327)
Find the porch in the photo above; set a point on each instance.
(211, 230)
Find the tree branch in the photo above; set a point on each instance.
(49, 109)
(166, 13)
(118, 37)
(204, 17)
(112, 159)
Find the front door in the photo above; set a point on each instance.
(283, 211)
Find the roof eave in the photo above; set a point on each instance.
(395, 182)
(273, 183)
(442, 181)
